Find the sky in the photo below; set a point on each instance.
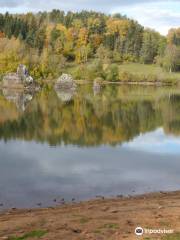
(160, 15)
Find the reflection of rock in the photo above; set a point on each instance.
(96, 87)
(19, 79)
(65, 95)
(65, 82)
(20, 98)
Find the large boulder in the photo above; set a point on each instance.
(11, 79)
(19, 79)
(22, 71)
(65, 82)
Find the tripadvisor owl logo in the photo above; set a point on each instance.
(139, 231)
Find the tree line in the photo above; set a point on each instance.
(48, 41)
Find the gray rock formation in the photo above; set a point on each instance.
(22, 71)
(19, 79)
(11, 79)
(65, 82)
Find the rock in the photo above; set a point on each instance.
(22, 71)
(11, 79)
(76, 230)
(65, 82)
(65, 87)
(19, 79)
(29, 80)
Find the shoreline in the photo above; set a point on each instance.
(108, 218)
(104, 83)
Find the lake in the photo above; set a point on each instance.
(119, 140)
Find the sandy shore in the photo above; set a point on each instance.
(100, 219)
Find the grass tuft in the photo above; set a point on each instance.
(33, 234)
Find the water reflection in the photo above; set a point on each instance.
(31, 173)
(114, 116)
(155, 142)
(119, 141)
(65, 95)
(19, 97)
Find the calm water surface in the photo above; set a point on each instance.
(120, 140)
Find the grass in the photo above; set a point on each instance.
(128, 72)
(148, 71)
(111, 225)
(33, 234)
(175, 236)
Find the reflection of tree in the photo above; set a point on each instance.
(171, 114)
(110, 117)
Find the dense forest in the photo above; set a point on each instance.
(51, 43)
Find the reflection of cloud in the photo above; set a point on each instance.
(31, 172)
(155, 142)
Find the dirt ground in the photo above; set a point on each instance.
(100, 219)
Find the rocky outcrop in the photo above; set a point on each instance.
(65, 87)
(19, 79)
(65, 82)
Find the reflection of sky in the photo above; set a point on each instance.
(155, 142)
(31, 172)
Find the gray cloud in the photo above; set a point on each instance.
(9, 3)
(100, 5)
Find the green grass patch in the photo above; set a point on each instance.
(175, 236)
(97, 231)
(33, 234)
(126, 72)
(146, 72)
(111, 226)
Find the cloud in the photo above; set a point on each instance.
(160, 15)
(9, 3)
(76, 4)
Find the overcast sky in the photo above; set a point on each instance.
(158, 14)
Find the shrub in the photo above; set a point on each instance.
(112, 72)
